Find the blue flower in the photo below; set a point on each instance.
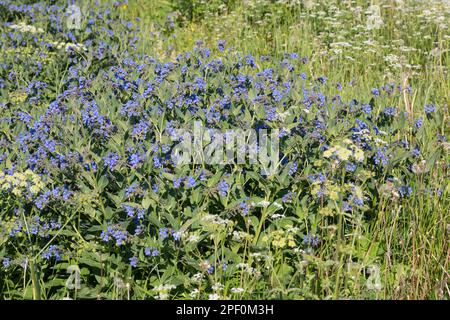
(151, 251)
(190, 182)
(271, 113)
(250, 61)
(136, 159)
(347, 207)
(322, 79)
(405, 191)
(42, 201)
(157, 162)
(361, 124)
(287, 198)
(132, 190)
(177, 182)
(111, 160)
(293, 168)
(134, 262)
(176, 235)
(221, 45)
(277, 95)
(311, 240)
(350, 167)
(129, 210)
(200, 84)
(244, 208)
(52, 251)
(205, 52)
(202, 176)
(92, 166)
(419, 123)
(211, 269)
(366, 108)
(104, 236)
(165, 148)
(140, 213)
(314, 178)
(389, 111)
(140, 130)
(138, 230)
(6, 262)
(120, 236)
(114, 233)
(163, 233)
(358, 202)
(223, 188)
(429, 109)
(380, 157)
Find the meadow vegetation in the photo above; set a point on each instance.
(92, 205)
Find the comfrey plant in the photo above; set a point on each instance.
(206, 173)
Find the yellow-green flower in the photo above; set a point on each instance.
(346, 152)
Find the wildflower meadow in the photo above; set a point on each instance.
(240, 149)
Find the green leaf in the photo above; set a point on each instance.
(102, 183)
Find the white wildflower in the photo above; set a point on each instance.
(214, 296)
(217, 287)
(194, 293)
(237, 290)
(197, 277)
(279, 206)
(263, 203)
(193, 238)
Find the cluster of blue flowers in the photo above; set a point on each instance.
(114, 233)
(100, 141)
